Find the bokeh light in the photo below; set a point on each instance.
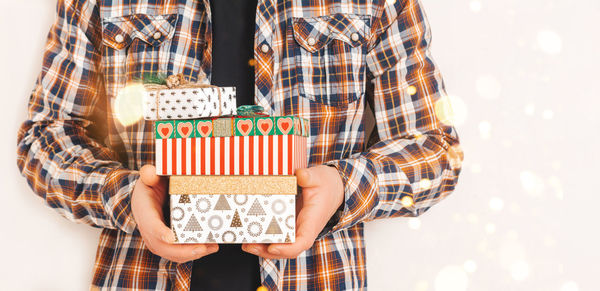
(475, 6)
(411, 90)
(455, 156)
(511, 253)
(496, 204)
(451, 110)
(488, 87)
(407, 201)
(470, 266)
(485, 130)
(569, 286)
(490, 228)
(475, 168)
(532, 184)
(548, 114)
(425, 184)
(414, 223)
(128, 105)
(519, 270)
(530, 109)
(555, 165)
(473, 218)
(549, 42)
(422, 285)
(451, 278)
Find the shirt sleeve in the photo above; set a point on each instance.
(74, 173)
(416, 162)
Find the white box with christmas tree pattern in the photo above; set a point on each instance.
(233, 209)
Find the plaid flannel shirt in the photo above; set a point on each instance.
(320, 60)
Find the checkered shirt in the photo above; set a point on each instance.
(321, 60)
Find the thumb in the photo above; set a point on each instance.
(165, 233)
(307, 177)
(148, 175)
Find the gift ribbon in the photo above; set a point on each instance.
(183, 84)
(251, 110)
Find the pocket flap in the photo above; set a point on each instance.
(118, 32)
(315, 32)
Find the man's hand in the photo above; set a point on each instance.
(322, 195)
(148, 197)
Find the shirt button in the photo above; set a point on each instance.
(264, 48)
(157, 35)
(119, 38)
(311, 41)
(354, 36)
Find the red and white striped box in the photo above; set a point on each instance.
(231, 155)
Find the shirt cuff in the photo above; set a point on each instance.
(334, 222)
(116, 198)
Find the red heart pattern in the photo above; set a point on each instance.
(204, 128)
(244, 126)
(264, 126)
(165, 130)
(284, 125)
(185, 129)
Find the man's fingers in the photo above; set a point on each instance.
(308, 227)
(307, 177)
(148, 175)
(260, 250)
(149, 217)
(303, 242)
(184, 253)
(278, 251)
(163, 233)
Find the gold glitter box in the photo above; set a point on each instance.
(233, 209)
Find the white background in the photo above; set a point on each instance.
(524, 216)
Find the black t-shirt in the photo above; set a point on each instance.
(233, 41)
(233, 46)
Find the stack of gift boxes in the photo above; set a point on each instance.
(231, 176)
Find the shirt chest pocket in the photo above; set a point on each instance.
(330, 57)
(136, 45)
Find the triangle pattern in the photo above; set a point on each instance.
(273, 227)
(236, 222)
(222, 203)
(193, 224)
(184, 199)
(256, 209)
(210, 238)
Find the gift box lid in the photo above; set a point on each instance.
(232, 185)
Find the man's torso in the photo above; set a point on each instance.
(309, 62)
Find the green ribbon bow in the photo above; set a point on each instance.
(251, 110)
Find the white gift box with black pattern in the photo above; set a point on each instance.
(263, 210)
(233, 218)
(189, 103)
